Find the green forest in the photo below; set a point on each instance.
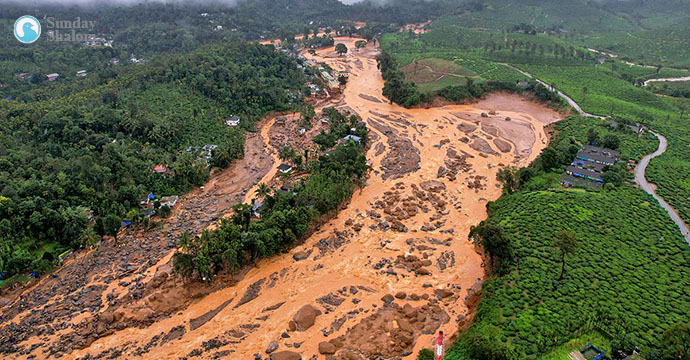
(91, 151)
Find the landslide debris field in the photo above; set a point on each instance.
(387, 273)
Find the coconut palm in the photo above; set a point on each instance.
(263, 190)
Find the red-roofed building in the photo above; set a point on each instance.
(161, 169)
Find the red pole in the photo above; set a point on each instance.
(439, 346)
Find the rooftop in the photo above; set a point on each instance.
(354, 138)
(589, 174)
(589, 165)
(572, 181)
(284, 168)
(598, 154)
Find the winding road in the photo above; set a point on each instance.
(565, 97)
(641, 167)
(649, 188)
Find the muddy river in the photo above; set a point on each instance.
(384, 276)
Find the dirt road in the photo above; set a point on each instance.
(391, 270)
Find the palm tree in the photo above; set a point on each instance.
(263, 190)
(566, 243)
(286, 153)
(242, 215)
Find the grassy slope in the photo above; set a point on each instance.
(573, 15)
(669, 45)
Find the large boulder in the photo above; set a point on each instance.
(410, 311)
(304, 318)
(273, 346)
(326, 348)
(286, 355)
(443, 293)
(300, 255)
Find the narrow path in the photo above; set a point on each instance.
(641, 167)
(684, 78)
(649, 188)
(565, 97)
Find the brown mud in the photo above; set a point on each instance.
(380, 279)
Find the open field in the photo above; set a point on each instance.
(433, 74)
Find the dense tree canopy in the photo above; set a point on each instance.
(92, 151)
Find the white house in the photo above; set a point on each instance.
(284, 168)
(169, 201)
(233, 121)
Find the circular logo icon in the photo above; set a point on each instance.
(27, 29)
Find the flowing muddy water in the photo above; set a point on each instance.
(401, 240)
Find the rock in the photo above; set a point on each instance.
(273, 346)
(326, 348)
(305, 317)
(300, 255)
(158, 279)
(107, 317)
(502, 145)
(400, 295)
(387, 299)
(405, 325)
(485, 115)
(443, 293)
(423, 271)
(433, 186)
(409, 311)
(286, 355)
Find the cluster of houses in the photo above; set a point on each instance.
(330, 80)
(203, 153)
(587, 168)
(49, 77)
(148, 203)
(98, 41)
